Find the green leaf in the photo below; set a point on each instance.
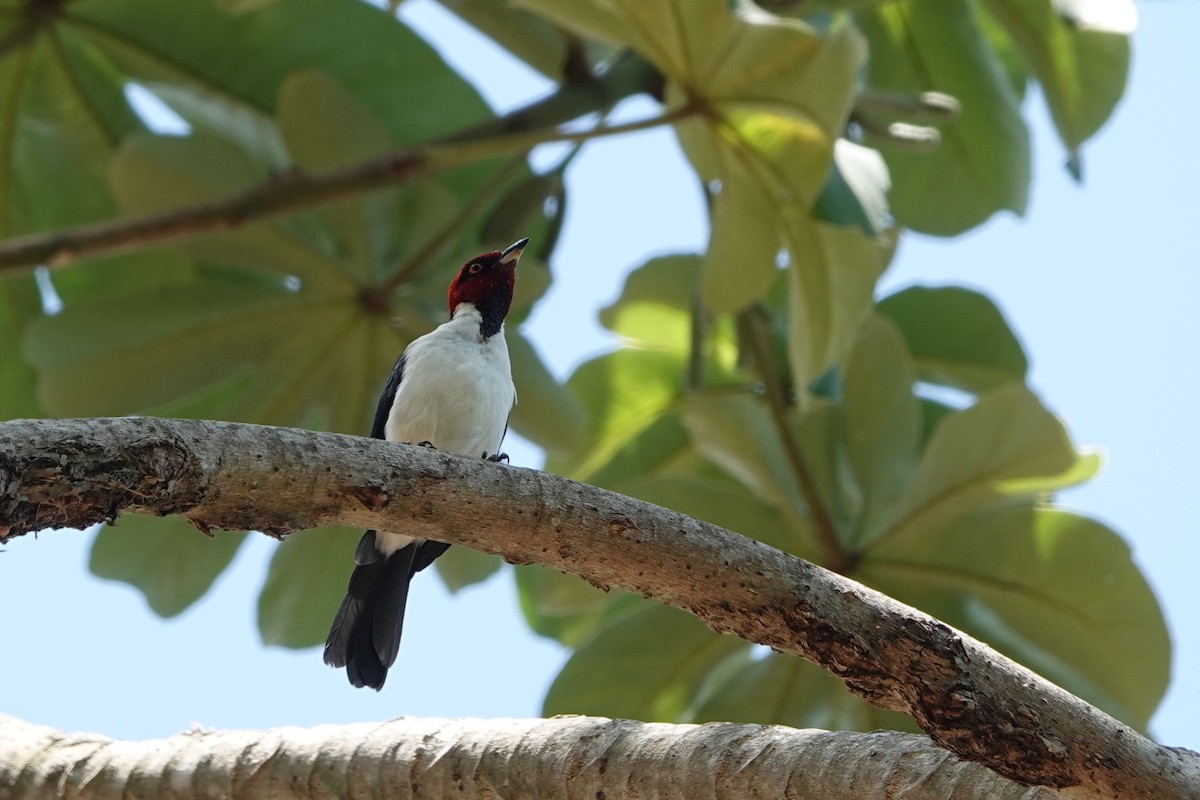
(152, 173)
(243, 6)
(171, 563)
(735, 432)
(776, 95)
(768, 142)
(1007, 445)
(304, 588)
(983, 163)
(655, 449)
(325, 127)
(522, 208)
(527, 36)
(658, 656)
(563, 606)
(830, 285)
(1081, 63)
(19, 305)
(780, 689)
(175, 42)
(654, 309)
(728, 504)
(545, 412)
(461, 567)
(881, 421)
(1058, 592)
(855, 194)
(55, 137)
(622, 393)
(64, 77)
(982, 354)
(743, 248)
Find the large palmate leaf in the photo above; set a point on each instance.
(60, 120)
(64, 76)
(771, 98)
(983, 163)
(1005, 446)
(1058, 592)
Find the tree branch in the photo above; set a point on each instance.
(291, 191)
(968, 698)
(465, 758)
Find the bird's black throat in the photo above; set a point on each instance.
(493, 307)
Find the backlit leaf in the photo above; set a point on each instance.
(780, 689)
(1058, 592)
(460, 567)
(305, 585)
(983, 163)
(657, 655)
(982, 354)
(1079, 56)
(171, 563)
(881, 421)
(1006, 445)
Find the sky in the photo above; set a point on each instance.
(1099, 280)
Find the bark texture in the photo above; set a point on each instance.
(968, 698)
(565, 757)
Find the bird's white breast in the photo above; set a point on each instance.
(457, 390)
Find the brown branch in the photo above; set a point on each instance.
(475, 758)
(295, 190)
(972, 701)
(279, 194)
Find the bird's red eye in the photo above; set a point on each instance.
(473, 269)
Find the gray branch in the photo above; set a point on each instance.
(971, 701)
(470, 758)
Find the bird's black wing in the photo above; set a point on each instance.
(385, 400)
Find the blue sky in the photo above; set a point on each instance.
(1099, 281)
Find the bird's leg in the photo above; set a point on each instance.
(427, 444)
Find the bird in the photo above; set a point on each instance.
(451, 389)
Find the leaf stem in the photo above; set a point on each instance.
(752, 324)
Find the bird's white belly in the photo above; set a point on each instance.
(455, 395)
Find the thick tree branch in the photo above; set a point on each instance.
(969, 699)
(436, 758)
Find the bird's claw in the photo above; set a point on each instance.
(497, 458)
(426, 444)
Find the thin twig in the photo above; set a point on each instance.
(289, 192)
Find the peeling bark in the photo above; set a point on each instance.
(968, 698)
(570, 757)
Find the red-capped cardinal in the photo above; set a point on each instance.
(451, 388)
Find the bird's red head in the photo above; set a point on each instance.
(487, 281)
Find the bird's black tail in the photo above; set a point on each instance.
(365, 635)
